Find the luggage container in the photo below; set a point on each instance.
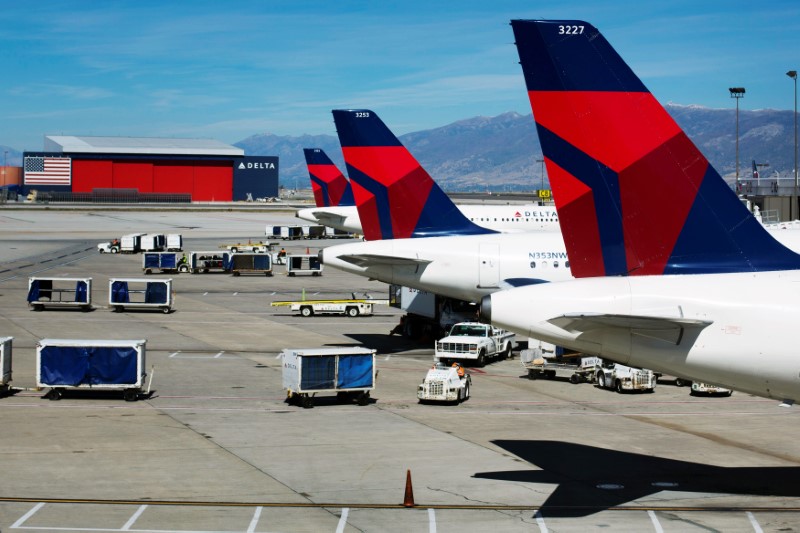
(130, 293)
(303, 264)
(5, 364)
(131, 243)
(174, 242)
(285, 232)
(251, 263)
(205, 262)
(60, 292)
(153, 242)
(64, 364)
(164, 262)
(313, 232)
(348, 372)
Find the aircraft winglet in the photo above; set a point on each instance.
(328, 184)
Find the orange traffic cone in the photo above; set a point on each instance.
(408, 501)
(307, 252)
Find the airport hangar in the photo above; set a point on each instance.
(205, 169)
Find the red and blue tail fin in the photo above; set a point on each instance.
(396, 197)
(329, 185)
(634, 195)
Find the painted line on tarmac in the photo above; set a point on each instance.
(540, 521)
(132, 520)
(431, 520)
(754, 523)
(254, 521)
(656, 523)
(342, 520)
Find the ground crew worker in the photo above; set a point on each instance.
(459, 369)
(183, 260)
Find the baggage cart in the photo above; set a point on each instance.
(576, 368)
(348, 372)
(215, 261)
(303, 264)
(285, 232)
(71, 364)
(174, 242)
(164, 262)
(60, 293)
(5, 364)
(131, 293)
(251, 263)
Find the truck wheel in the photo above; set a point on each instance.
(147, 271)
(166, 310)
(183, 268)
(307, 401)
(306, 311)
(54, 395)
(234, 250)
(114, 250)
(352, 312)
(466, 392)
(482, 358)
(101, 250)
(363, 398)
(532, 374)
(618, 387)
(680, 382)
(236, 273)
(574, 379)
(130, 395)
(601, 380)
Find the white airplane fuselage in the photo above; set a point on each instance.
(466, 267)
(748, 343)
(502, 218)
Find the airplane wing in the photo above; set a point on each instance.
(327, 218)
(667, 329)
(367, 260)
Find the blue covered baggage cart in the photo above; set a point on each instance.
(303, 264)
(64, 364)
(60, 293)
(164, 262)
(251, 263)
(132, 293)
(348, 372)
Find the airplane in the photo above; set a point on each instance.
(333, 194)
(692, 285)
(502, 218)
(416, 237)
(581, 473)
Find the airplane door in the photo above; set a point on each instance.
(489, 267)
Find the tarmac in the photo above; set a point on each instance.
(215, 447)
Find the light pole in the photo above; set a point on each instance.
(542, 162)
(793, 74)
(737, 92)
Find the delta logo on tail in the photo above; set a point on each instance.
(328, 184)
(634, 195)
(396, 197)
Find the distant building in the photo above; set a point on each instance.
(206, 169)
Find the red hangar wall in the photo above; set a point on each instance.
(201, 167)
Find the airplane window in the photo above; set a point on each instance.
(555, 264)
(566, 264)
(533, 264)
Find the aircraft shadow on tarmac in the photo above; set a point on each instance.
(386, 344)
(591, 479)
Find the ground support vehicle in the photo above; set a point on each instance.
(428, 315)
(333, 233)
(352, 308)
(623, 378)
(708, 389)
(444, 384)
(131, 293)
(474, 341)
(205, 262)
(348, 372)
(251, 263)
(578, 369)
(71, 364)
(313, 232)
(255, 247)
(303, 264)
(111, 247)
(285, 232)
(164, 262)
(60, 293)
(5, 364)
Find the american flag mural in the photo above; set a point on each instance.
(48, 170)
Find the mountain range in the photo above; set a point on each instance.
(502, 153)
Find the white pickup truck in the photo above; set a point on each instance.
(473, 341)
(623, 378)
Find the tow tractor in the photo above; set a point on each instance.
(443, 383)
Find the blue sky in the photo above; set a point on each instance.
(228, 70)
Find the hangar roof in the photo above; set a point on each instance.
(138, 145)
